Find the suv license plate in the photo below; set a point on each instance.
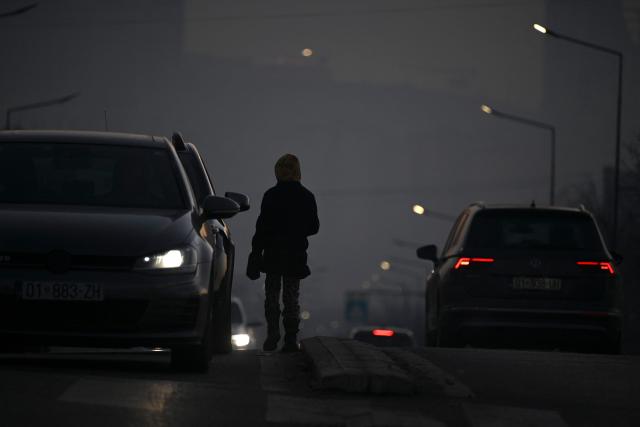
(537, 283)
(61, 291)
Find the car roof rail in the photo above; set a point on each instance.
(178, 142)
(479, 204)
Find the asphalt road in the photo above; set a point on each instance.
(512, 388)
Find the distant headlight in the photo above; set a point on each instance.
(241, 340)
(179, 260)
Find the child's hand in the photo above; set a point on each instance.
(253, 266)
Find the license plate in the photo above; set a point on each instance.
(62, 291)
(537, 283)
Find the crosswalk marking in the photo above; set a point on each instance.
(333, 412)
(284, 407)
(480, 415)
(135, 394)
(272, 373)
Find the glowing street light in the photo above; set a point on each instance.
(418, 209)
(385, 265)
(307, 52)
(540, 28)
(552, 168)
(421, 210)
(486, 109)
(616, 174)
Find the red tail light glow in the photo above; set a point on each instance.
(603, 265)
(383, 332)
(467, 261)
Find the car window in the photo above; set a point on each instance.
(565, 231)
(87, 174)
(455, 232)
(459, 230)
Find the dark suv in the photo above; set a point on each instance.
(523, 274)
(113, 240)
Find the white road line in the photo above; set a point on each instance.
(333, 412)
(427, 374)
(272, 373)
(480, 415)
(135, 394)
(283, 407)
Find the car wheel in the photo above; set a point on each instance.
(195, 358)
(613, 345)
(446, 338)
(431, 339)
(221, 325)
(430, 335)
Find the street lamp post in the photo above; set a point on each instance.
(552, 130)
(36, 105)
(18, 11)
(388, 267)
(420, 210)
(620, 57)
(408, 262)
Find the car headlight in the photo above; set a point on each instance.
(177, 260)
(241, 340)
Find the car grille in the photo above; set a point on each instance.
(66, 316)
(61, 262)
(171, 314)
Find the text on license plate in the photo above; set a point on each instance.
(537, 283)
(61, 291)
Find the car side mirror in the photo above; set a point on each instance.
(216, 207)
(241, 199)
(428, 252)
(617, 258)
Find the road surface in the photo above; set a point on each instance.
(512, 388)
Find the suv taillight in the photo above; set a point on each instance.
(603, 265)
(383, 332)
(463, 262)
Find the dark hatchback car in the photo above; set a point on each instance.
(113, 240)
(523, 275)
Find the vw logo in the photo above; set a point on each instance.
(535, 262)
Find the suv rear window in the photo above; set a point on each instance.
(89, 175)
(555, 231)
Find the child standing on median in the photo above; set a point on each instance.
(288, 215)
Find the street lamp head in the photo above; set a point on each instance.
(385, 265)
(540, 28)
(418, 209)
(486, 109)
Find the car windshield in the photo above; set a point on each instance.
(90, 175)
(560, 231)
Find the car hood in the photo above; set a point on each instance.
(115, 232)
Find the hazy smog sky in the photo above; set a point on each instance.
(384, 114)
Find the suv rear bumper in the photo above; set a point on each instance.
(468, 322)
